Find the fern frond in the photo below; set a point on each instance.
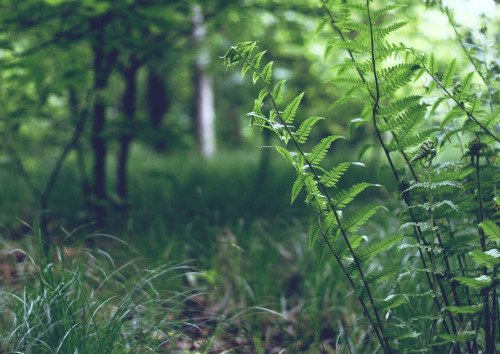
(305, 128)
(319, 151)
(465, 309)
(488, 121)
(455, 174)
(344, 197)
(341, 249)
(359, 218)
(454, 113)
(384, 32)
(412, 141)
(491, 230)
(412, 116)
(397, 77)
(390, 301)
(460, 337)
(382, 275)
(369, 252)
(297, 186)
(278, 92)
(290, 110)
(330, 178)
(489, 259)
(462, 91)
(398, 106)
(353, 46)
(479, 283)
(382, 11)
(288, 156)
(447, 79)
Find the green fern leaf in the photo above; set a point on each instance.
(436, 103)
(359, 217)
(305, 129)
(378, 247)
(397, 77)
(491, 118)
(319, 151)
(286, 154)
(278, 92)
(314, 233)
(382, 275)
(461, 337)
(462, 91)
(290, 110)
(382, 11)
(491, 230)
(364, 149)
(330, 178)
(479, 283)
(455, 174)
(465, 309)
(246, 53)
(389, 302)
(344, 197)
(488, 259)
(384, 32)
(321, 25)
(257, 59)
(407, 122)
(341, 250)
(398, 105)
(454, 113)
(314, 197)
(433, 68)
(412, 141)
(297, 186)
(447, 79)
(267, 72)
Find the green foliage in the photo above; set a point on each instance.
(446, 199)
(84, 302)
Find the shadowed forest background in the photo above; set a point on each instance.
(123, 135)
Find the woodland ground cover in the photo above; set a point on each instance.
(396, 253)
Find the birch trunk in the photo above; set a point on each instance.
(205, 112)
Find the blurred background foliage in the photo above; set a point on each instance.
(115, 94)
(101, 107)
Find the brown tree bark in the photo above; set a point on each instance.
(126, 135)
(104, 59)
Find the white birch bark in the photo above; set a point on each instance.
(205, 111)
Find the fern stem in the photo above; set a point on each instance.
(386, 152)
(335, 27)
(485, 79)
(374, 118)
(488, 334)
(378, 324)
(421, 239)
(458, 103)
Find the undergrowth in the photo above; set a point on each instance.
(440, 143)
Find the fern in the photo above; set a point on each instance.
(448, 235)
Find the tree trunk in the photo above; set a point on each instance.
(103, 63)
(158, 103)
(205, 112)
(126, 135)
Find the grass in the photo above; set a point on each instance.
(250, 283)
